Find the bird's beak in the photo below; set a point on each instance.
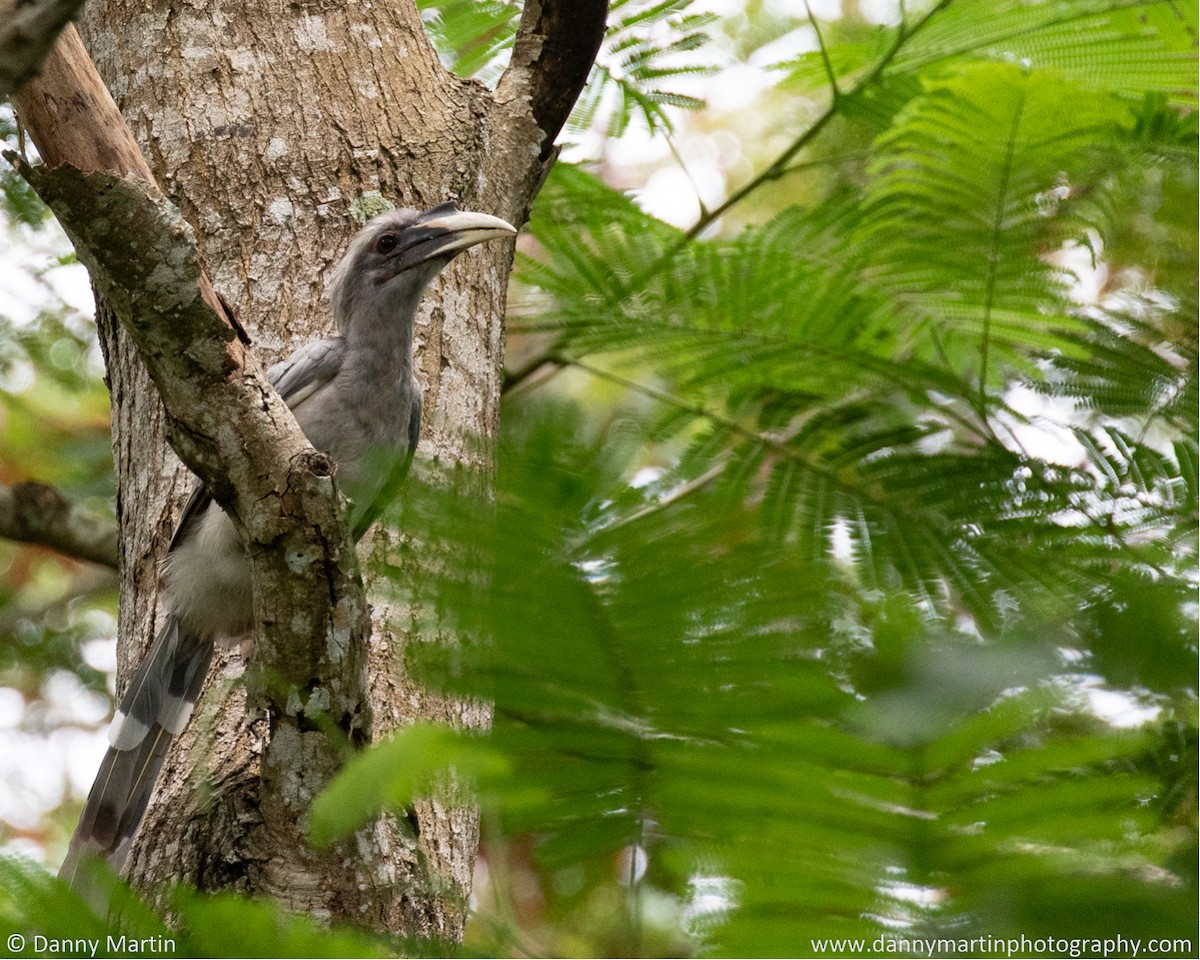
(446, 231)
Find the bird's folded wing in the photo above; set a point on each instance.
(296, 379)
(396, 467)
(307, 370)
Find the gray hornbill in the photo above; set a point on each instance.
(352, 395)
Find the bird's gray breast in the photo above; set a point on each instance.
(359, 424)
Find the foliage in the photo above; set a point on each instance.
(56, 614)
(906, 504)
(473, 38)
(34, 905)
(20, 203)
(648, 46)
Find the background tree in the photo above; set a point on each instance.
(857, 599)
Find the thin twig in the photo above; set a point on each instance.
(675, 496)
(514, 380)
(700, 205)
(833, 84)
(802, 141)
(780, 164)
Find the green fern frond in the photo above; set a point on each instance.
(959, 208)
(1127, 46)
(681, 683)
(473, 37)
(649, 44)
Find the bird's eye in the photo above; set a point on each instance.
(386, 243)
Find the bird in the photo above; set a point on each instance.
(354, 396)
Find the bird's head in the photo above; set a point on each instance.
(397, 253)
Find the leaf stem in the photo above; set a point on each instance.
(994, 253)
(833, 84)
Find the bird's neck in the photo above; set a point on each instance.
(381, 343)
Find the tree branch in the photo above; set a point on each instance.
(27, 35)
(225, 420)
(515, 378)
(556, 43)
(228, 424)
(39, 513)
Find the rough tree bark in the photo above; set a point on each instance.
(270, 125)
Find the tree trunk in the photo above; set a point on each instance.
(272, 126)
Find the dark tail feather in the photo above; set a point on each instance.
(155, 708)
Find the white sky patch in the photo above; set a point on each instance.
(727, 148)
(709, 150)
(68, 701)
(581, 146)
(101, 654)
(935, 442)
(645, 476)
(637, 147)
(722, 8)
(671, 194)
(82, 751)
(822, 9)
(12, 707)
(31, 778)
(788, 47)
(24, 848)
(71, 284)
(1046, 436)
(30, 281)
(986, 759)
(20, 293)
(1091, 274)
(739, 86)
(19, 376)
(826, 9)
(1117, 708)
(710, 898)
(595, 571)
(841, 544)
(883, 12)
(915, 894)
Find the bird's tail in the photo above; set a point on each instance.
(156, 707)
